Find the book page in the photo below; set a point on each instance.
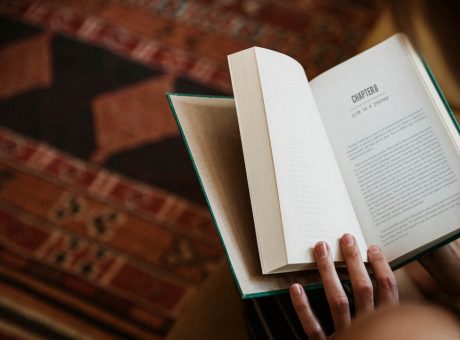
(210, 130)
(313, 199)
(398, 156)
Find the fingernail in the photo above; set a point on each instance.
(296, 289)
(348, 240)
(374, 249)
(321, 249)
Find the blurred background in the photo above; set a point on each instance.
(104, 232)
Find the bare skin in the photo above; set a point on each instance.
(443, 264)
(387, 291)
(389, 321)
(410, 321)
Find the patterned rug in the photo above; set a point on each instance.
(103, 228)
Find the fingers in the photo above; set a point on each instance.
(336, 297)
(307, 318)
(361, 284)
(442, 265)
(387, 287)
(335, 294)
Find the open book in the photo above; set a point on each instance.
(369, 147)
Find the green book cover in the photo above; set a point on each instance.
(251, 283)
(237, 275)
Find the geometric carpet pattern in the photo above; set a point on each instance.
(104, 232)
(133, 251)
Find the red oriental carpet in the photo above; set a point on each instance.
(103, 228)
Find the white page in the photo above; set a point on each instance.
(210, 128)
(395, 152)
(313, 199)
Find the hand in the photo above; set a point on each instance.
(443, 264)
(363, 291)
